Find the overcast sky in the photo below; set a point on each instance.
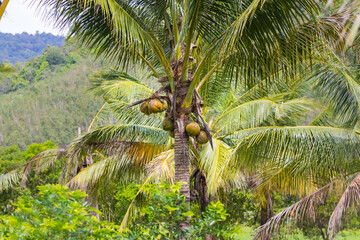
(19, 17)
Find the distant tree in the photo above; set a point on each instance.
(54, 56)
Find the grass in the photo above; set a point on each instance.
(344, 235)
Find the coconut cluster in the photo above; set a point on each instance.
(156, 105)
(153, 106)
(193, 129)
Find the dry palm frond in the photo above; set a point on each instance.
(162, 166)
(298, 211)
(349, 197)
(43, 161)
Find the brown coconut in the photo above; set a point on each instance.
(202, 137)
(193, 129)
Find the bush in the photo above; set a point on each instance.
(166, 209)
(56, 214)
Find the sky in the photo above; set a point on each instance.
(19, 17)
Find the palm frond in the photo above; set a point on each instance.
(43, 161)
(214, 163)
(125, 161)
(133, 115)
(162, 167)
(349, 197)
(313, 148)
(255, 113)
(121, 87)
(111, 28)
(335, 82)
(10, 179)
(127, 133)
(299, 211)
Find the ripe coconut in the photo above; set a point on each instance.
(168, 124)
(155, 106)
(172, 133)
(202, 137)
(144, 108)
(193, 129)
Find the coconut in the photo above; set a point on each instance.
(193, 129)
(144, 108)
(168, 124)
(172, 134)
(155, 106)
(202, 137)
(164, 105)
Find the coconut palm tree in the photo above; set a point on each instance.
(136, 148)
(184, 42)
(336, 80)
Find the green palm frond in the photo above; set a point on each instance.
(257, 112)
(312, 148)
(133, 115)
(127, 133)
(275, 177)
(129, 89)
(111, 28)
(126, 162)
(247, 115)
(214, 162)
(340, 90)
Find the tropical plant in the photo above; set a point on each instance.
(137, 149)
(57, 214)
(165, 209)
(190, 40)
(336, 81)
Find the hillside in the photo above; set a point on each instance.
(21, 47)
(46, 99)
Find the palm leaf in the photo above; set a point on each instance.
(311, 147)
(305, 208)
(350, 196)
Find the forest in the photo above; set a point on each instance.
(21, 47)
(190, 119)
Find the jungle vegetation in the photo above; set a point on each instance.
(255, 102)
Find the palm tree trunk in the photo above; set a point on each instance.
(201, 189)
(266, 209)
(182, 160)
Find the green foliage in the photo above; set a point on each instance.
(44, 101)
(166, 209)
(21, 47)
(11, 157)
(241, 207)
(56, 214)
(36, 148)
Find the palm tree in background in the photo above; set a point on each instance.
(184, 42)
(335, 79)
